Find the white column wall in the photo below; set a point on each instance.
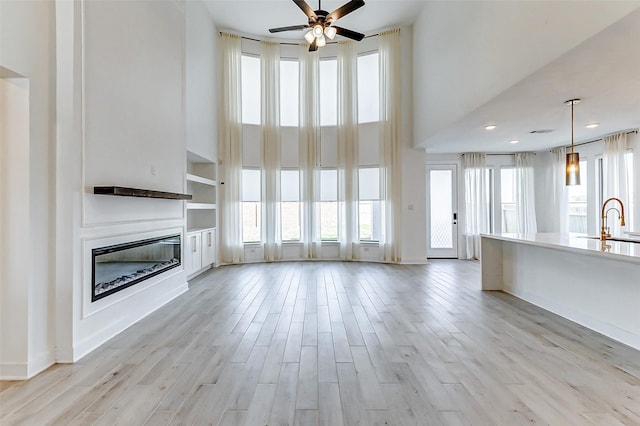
(26, 31)
(202, 81)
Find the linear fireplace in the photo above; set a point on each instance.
(119, 266)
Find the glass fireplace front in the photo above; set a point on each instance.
(123, 265)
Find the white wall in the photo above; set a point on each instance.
(414, 185)
(134, 116)
(202, 81)
(467, 52)
(26, 29)
(14, 225)
(106, 91)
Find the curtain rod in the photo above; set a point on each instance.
(504, 153)
(627, 132)
(289, 43)
(510, 153)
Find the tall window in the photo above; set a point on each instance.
(250, 80)
(489, 197)
(368, 88)
(289, 93)
(251, 206)
(329, 91)
(290, 205)
(508, 198)
(326, 152)
(577, 198)
(629, 209)
(369, 205)
(628, 158)
(329, 204)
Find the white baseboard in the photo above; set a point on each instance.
(581, 318)
(92, 342)
(413, 262)
(26, 370)
(14, 371)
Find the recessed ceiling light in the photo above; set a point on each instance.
(592, 125)
(513, 142)
(490, 127)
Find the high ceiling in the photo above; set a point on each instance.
(604, 71)
(255, 17)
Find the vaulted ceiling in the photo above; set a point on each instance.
(560, 50)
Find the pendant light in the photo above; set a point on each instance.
(573, 158)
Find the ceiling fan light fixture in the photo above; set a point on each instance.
(330, 32)
(317, 31)
(319, 26)
(309, 36)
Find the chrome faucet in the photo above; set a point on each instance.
(604, 229)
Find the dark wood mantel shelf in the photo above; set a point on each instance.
(135, 192)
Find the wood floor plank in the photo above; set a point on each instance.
(284, 401)
(306, 418)
(331, 343)
(330, 412)
(242, 393)
(307, 395)
(233, 418)
(326, 359)
(261, 405)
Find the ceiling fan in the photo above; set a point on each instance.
(321, 23)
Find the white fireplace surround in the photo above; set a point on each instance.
(91, 308)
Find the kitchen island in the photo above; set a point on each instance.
(593, 283)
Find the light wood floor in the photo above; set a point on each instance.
(340, 343)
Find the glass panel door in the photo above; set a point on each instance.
(442, 216)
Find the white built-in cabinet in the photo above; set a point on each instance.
(201, 213)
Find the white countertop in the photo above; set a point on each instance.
(577, 243)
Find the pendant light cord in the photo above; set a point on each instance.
(572, 103)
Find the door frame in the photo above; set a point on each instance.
(448, 253)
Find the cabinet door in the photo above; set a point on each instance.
(193, 256)
(208, 247)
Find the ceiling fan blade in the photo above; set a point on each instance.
(314, 45)
(306, 9)
(290, 28)
(348, 33)
(344, 9)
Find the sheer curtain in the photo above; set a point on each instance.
(390, 148)
(615, 176)
(559, 204)
(270, 138)
(309, 153)
(348, 153)
(231, 245)
(476, 202)
(525, 194)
